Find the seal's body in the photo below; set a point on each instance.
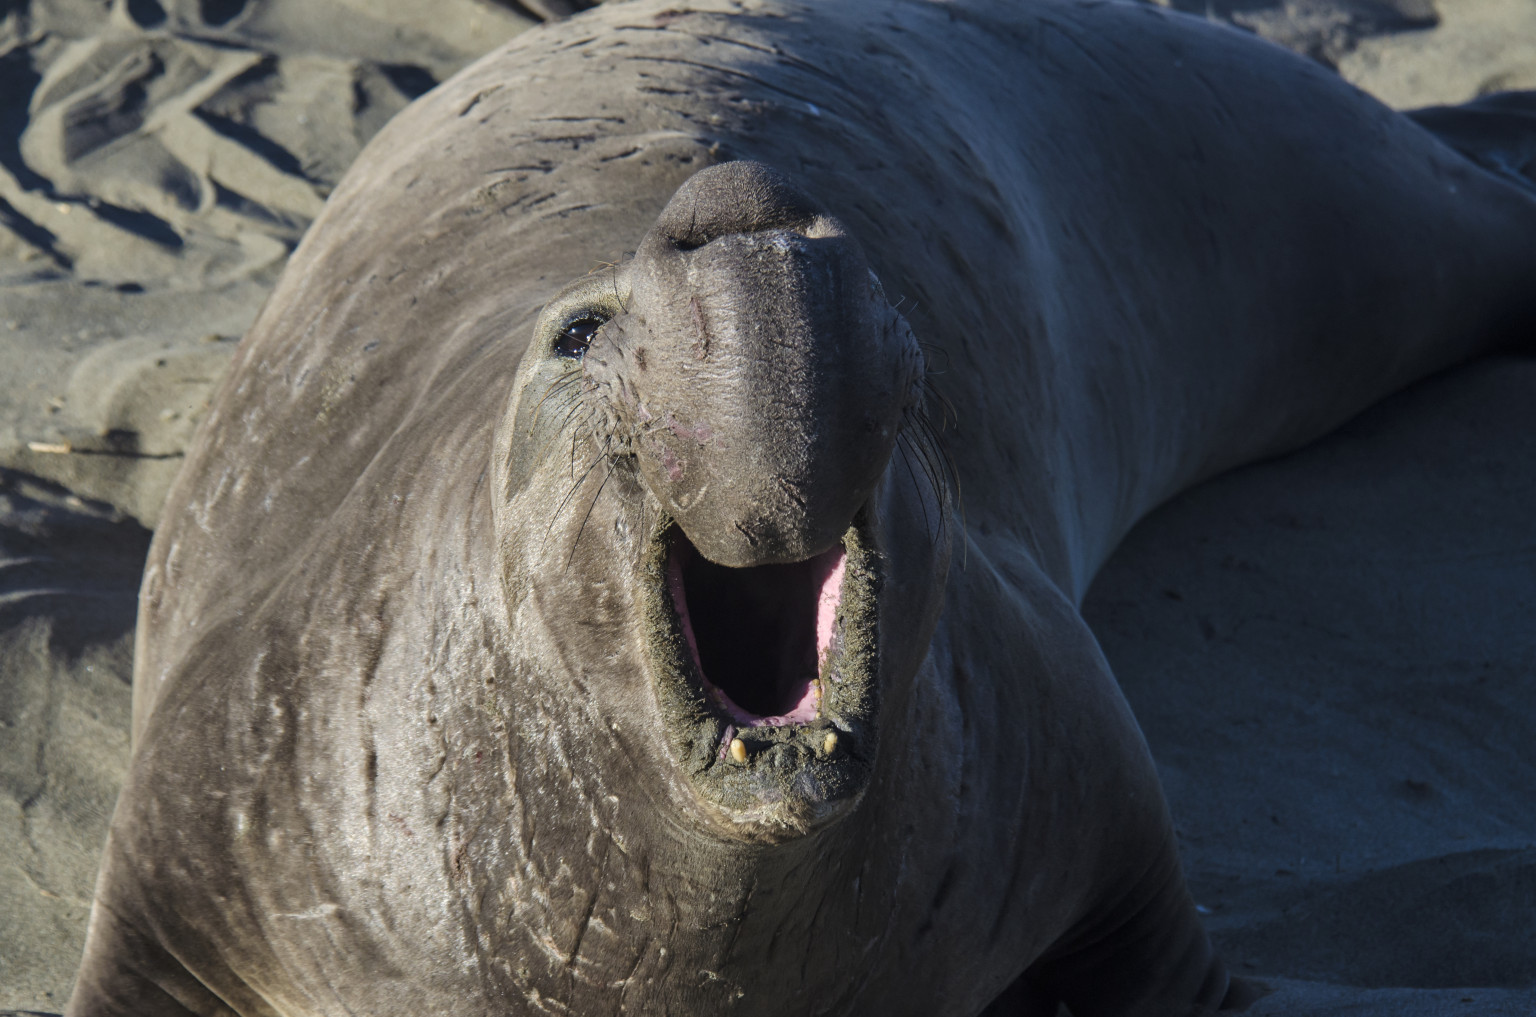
(624, 656)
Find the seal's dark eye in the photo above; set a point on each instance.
(577, 335)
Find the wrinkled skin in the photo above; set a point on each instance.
(418, 726)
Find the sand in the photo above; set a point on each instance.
(1332, 658)
(1331, 653)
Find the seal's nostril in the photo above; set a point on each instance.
(573, 340)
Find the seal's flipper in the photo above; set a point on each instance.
(1025, 997)
(124, 975)
(1145, 954)
(128, 972)
(1498, 132)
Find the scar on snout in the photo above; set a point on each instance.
(700, 348)
(700, 433)
(673, 465)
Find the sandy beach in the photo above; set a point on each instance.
(1331, 654)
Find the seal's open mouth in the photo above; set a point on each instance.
(767, 679)
(759, 636)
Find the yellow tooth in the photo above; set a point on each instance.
(738, 750)
(829, 743)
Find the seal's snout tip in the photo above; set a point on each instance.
(731, 198)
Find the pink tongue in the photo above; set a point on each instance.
(826, 609)
(827, 599)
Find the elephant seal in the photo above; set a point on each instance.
(650, 642)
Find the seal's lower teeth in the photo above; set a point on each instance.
(760, 634)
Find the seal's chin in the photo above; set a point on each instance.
(766, 679)
(759, 636)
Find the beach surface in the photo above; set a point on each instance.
(1332, 654)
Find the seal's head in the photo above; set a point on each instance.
(700, 442)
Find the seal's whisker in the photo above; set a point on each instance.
(577, 407)
(930, 389)
(929, 468)
(914, 420)
(559, 386)
(937, 445)
(590, 506)
(581, 424)
(954, 476)
(935, 476)
(576, 486)
(906, 461)
(941, 449)
(934, 348)
(572, 378)
(941, 470)
(599, 457)
(650, 425)
(617, 297)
